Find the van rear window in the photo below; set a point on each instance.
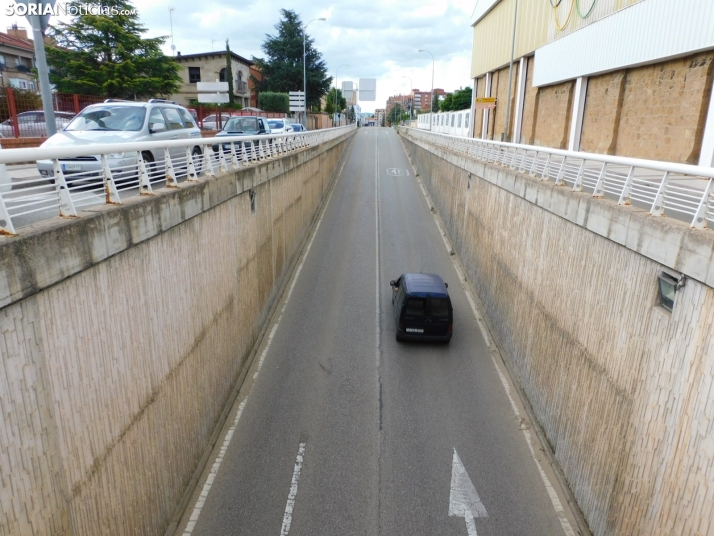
(415, 307)
(439, 307)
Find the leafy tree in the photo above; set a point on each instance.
(396, 114)
(229, 74)
(283, 68)
(274, 102)
(351, 114)
(330, 101)
(106, 56)
(436, 103)
(460, 100)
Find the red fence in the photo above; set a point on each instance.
(21, 113)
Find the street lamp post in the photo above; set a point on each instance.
(304, 69)
(431, 105)
(336, 73)
(411, 93)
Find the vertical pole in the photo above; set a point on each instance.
(75, 100)
(506, 128)
(43, 74)
(520, 100)
(576, 121)
(304, 77)
(13, 110)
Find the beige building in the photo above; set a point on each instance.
(17, 58)
(626, 77)
(209, 67)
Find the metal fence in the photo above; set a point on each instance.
(666, 189)
(41, 183)
(21, 114)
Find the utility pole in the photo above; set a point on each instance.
(39, 24)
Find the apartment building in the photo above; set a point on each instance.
(17, 59)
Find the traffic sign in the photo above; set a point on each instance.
(297, 101)
(485, 102)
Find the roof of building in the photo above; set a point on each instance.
(16, 42)
(199, 55)
(423, 284)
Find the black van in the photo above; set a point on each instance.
(422, 308)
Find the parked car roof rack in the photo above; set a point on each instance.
(117, 100)
(164, 100)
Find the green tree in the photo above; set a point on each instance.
(462, 99)
(446, 104)
(330, 101)
(229, 74)
(351, 114)
(106, 55)
(396, 115)
(283, 67)
(436, 103)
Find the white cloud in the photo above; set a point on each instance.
(377, 39)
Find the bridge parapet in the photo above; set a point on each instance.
(620, 385)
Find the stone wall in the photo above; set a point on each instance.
(124, 333)
(620, 386)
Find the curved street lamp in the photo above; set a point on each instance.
(431, 105)
(304, 68)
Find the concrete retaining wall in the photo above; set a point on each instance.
(621, 387)
(122, 336)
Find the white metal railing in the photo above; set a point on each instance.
(41, 183)
(682, 191)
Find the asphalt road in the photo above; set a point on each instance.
(344, 431)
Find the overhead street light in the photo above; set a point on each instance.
(304, 68)
(431, 105)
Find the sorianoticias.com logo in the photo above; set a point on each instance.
(43, 8)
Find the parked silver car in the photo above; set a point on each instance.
(116, 121)
(32, 124)
(210, 122)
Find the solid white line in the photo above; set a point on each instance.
(198, 507)
(560, 512)
(376, 242)
(470, 523)
(288, 517)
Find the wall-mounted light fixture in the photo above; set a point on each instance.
(668, 287)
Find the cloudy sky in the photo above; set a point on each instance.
(376, 39)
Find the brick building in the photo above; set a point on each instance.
(629, 77)
(17, 59)
(422, 99)
(209, 67)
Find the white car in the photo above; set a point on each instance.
(115, 121)
(32, 124)
(210, 122)
(278, 126)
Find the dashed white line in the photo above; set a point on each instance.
(198, 507)
(288, 516)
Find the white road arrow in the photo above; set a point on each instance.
(463, 500)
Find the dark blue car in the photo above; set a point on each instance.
(422, 308)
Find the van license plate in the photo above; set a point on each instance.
(71, 167)
(415, 330)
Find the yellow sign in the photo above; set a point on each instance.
(485, 103)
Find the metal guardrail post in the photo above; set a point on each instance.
(235, 164)
(191, 174)
(144, 179)
(222, 164)
(578, 186)
(66, 205)
(625, 195)
(6, 226)
(561, 172)
(658, 203)
(110, 189)
(544, 175)
(700, 217)
(171, 181)
(599, 190)
(208, 161)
